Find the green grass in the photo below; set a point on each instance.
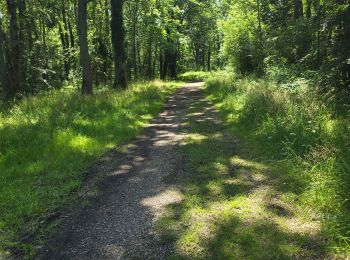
(232, 207)
(195, 76)
(47, 141)
(304, 141)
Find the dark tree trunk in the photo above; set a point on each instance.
(148, 61)
(161, 64)
(66, 39)
(209, 57)
(308, 9)
(14, 81)
(318, 34)
(64, 51)
(72, 43)
(134, 44)
(3, 66)
(298, 9)
(172, 64)
(261, 45)
(86, 87)
(118, 43)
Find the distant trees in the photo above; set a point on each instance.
(121, 41)
(46, 44)
(308, 36)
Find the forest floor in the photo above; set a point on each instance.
(182, 189)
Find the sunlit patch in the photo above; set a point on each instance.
(162, 199)
(195, 138)
(295, 225)
(36, 167)
(81, 142)
(239, 162)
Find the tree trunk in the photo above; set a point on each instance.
(3, 67)
(161, 64)
(86, 87)
(118, 43)
(148, 61)
(261, 46)
(209, 57)
(134, 45)
(308, 9)
(298, 9)
(318, 34)
(14, 53)
(66, 51)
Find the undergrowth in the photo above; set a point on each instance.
(302, 137)
(47, 141)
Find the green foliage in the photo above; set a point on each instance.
(296, 35)
(48, 140)
(305, 141)
(241, 47)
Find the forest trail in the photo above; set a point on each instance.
(181, 189)
(134, 193)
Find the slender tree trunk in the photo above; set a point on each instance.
(86, 87)
(71, 34)
(161, 64)
(64, 50)
(67, 50)
(318, 34)
(148, 61)
(3, 66)
(261, 46)
(298, 9)
(134, 46)
(107, 18)
(118, 43)
(209, 57)
(14, 53)
(308, 9)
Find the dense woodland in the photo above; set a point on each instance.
(45, 44)
(78, 77)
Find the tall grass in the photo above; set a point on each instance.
(305, 140)
(47, 140)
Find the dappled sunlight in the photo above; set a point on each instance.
(48, 140)
(231, 206)
(162, 199)
(244, 163)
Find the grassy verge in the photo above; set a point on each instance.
(303, 141)
(48, 140)
(232, 206)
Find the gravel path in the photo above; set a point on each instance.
(134, 192)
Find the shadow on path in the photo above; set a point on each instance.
(134, 192)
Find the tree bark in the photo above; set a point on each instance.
(261, 46)
(86, 87)
(3, 66)
(298, 9)
(14, 53)
(118, 43)
(134, 45)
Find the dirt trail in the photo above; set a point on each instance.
(119, 224)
